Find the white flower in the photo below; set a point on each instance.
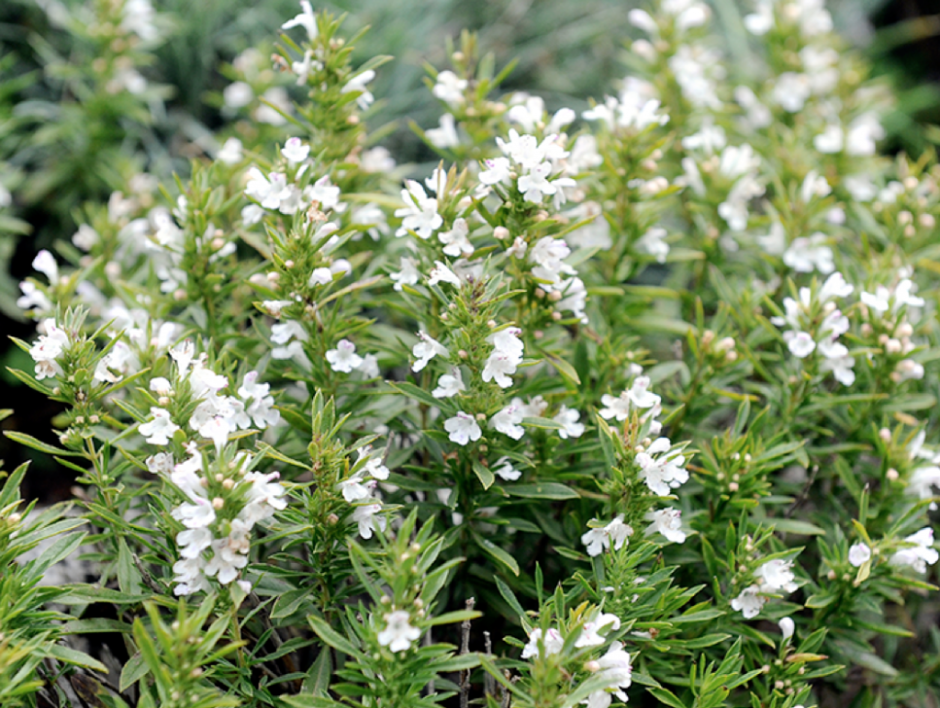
(344, 358)
(463, 428)
(841, 368)
(295, 151)
(408, 275)
(807, 254)
(830, 141)
(664, 473)
(652, 243)
(226, 562)
(859, 554)
(497, 170)
(616, 533)
(499, 367)
(909, 369)
(440, 272)
(375, 465)
(189, 576)
(425, 350)
(589, 636)
(668, 523)
(45, 263)
(230, 152)
(261, 409)
(921, 552)
(504, 469)
(197, 515)
(306, 19)
(355, 488)
(358, 83)
(326, 194)
(159, 430)
(507, 422)
(449, 385)
(786, 628)
(791, 91)
(862, 135)
(161, 463)
(552, 643)
(420, 213)
(615, 668)
(47, 349)
(398, 633)
(449, 88)
(636, 396)
(749, 602)
(801, 345)
(445, 136)
(776, 575)
(568, 419)
(455, 241)
(366, 516)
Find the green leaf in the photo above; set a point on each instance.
(414, 392)
(129, 578)
(666, 697)
(496, 553)
(544, 423)
(509, 596)
(332, 637)
(542, 490)
(30, 441)
(484, 474)
(801, 528)
(454, 617)
(75, 657)
(566, 370)
(134, 670)
(318, 677)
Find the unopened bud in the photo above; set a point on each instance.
(554, 296)
(481, 417)
(905, 330)
(885, 435)
(892, 474)
(500, 233)
(218, 503)
(462, 354)
(228, 484)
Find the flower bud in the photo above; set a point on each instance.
(885, 435)
(500, 233)
(892, 474)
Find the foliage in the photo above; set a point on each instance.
(643, 395)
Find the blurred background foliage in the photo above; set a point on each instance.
(65, 139)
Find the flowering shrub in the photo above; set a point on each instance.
(634, 403)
